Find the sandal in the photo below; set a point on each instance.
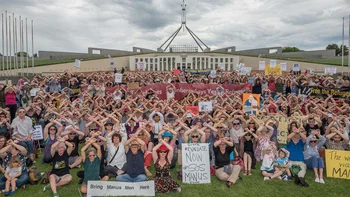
(228, 184)
(250, 173)
(245, 172)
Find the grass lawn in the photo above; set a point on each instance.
(249, 186)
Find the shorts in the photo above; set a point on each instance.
(58, 178)
(73, 159)
(270, 171)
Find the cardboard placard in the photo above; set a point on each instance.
(193, 109)
(118, 77)
(37, 133)
(113, 188)
(338, 164)
(251, 103)
(205, 106)
(133, 86)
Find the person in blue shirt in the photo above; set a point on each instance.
(295, 145)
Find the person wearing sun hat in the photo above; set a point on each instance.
(162, 156)
(312, 156)
(170, 136)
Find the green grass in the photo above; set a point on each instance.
(249, 186)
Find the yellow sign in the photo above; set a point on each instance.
(283, 126)
(273, 71)
(338, 164)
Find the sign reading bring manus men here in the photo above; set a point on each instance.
(195, 163)
(109, 188)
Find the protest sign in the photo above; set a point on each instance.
(273, 63)
(141, 65)
(251, 102)
(37, 133)
(283, 66)
(193, 109)
(273, 71)
(34, 91)
(111, 63)
(330, 70)
(205, 106)
(296, 67)
(261, 65)
(245, 70)
(338, 164)
(213, 73)
(118, 77)
(195, 163)
(77, 63)
(133, 86)
(222, 66)
(324, 92)
(176, 72)
(113, 188)
(198, 71)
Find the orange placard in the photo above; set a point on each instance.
(176, 72)
(251, 103)
(193, 109)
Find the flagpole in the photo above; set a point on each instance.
(10, 58)
(27, 48)
(14, 43)
(22, 49)
(349, 47)
(2, 45)
(16, 59)
(33, 46)
(342, 49)
(7, 49)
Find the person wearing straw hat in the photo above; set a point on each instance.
(312, 156)
(135, 171)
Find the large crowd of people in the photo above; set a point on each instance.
(122, 133)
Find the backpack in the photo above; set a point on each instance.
(295, 169)
(34, 175)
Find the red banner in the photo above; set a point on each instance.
(182, 89)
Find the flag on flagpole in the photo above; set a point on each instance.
(77, 63)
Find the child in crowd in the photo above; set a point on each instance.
(13, 171)
(268, 169)
(282, 163)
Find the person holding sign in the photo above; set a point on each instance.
(162, 156)
(225, 171)
(312, 156)
(135, 171)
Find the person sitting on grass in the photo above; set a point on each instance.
(162, 156)
(312, 156)
(225, 171)
(247, 147)
(135, 171)
(50, 137)
(91, 164)
(13, 149)
(268, 169)
(60, 170)
(13, 171)
(74, 137)
(282, 163)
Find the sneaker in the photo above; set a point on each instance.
(266, 178)
(178, 189)
(279, 177)
(317, 180)
(47, 187)
(285, 177)
(12, 193)
(303, 182)
(322, 181)
(56, 195)
(7, 193)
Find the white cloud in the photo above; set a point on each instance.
(74, 25)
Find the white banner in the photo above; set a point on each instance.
(113, 188)
(33, 91)
(37, 133)
(273, 63)
(222, 66)
(245, 70)
(141, 65)
(195, 163)
(213, 73)
(330, 70)
(261, 65)
(118, 77)
(77, 63)
(205, 106)
(283, 66)
(296, 67)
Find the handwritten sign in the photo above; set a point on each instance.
(195, 163)
(37, 133)
(118, 77)
(111, 63)
(273, 71)
(296, 67)
(338, 164)
(283, 66)
(141, 65)
(273, 63)
(77, 63)
(193, 109)
(112, 188)
(133, 86)
(205, 106)
(330, 70)
(261, 65)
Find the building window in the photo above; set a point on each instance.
(231, 59)
(221, 60)
(226, 60)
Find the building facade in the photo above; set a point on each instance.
(169, 61)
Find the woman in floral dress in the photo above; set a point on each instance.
(162, 154)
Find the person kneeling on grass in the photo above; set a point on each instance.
(312, 156)
(92, 164)
(60, 170)
(135, 171)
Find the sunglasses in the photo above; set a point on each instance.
(52, 129)
(312, 141)
(93, 129)
(195, 136)
(21, 112)
(162, 151)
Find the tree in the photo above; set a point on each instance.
(290, 49)
(346, 50)
(0, 54)
(35, 55)
(24, 54)
(335, 47)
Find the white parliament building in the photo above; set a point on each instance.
(169, 61)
